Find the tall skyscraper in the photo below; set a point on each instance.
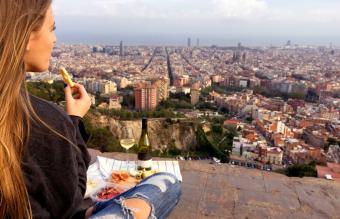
(244, 57)
(198, 42)
(189, 42)
(162, 89)
(145, 96)
(121, 49)
(239, 45)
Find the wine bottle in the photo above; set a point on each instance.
(144, 148)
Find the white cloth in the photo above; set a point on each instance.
(101, 170)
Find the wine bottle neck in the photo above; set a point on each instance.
(144, 124)
(144, 131)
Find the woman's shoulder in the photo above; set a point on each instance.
(49, 111)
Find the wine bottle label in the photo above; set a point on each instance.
(144, 156)
(144, 161)
(144, 164)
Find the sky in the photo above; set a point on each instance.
(219, 22)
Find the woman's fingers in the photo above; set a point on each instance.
(77, 99)
(79, 89)
(68, 93)
(76, 96)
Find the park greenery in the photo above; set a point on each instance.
(101, 138)
(51, 92)
(276, 93)
(218, 142)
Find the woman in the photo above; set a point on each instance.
(43, 155)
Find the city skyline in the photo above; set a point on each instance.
(222, 22)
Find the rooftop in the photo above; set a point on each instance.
(226, 191)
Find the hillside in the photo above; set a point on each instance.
(162, 133)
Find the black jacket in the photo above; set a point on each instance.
(54, 170)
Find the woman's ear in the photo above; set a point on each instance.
(32, 38)
(28, 47)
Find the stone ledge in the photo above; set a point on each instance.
(226, 191)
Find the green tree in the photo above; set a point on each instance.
(224, 110)
(206, 146)
(330, 141)
(102, 139)
(217, 128)
(50, 92)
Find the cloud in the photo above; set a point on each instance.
(241, 9)
(158, 9)
(322, 15)
(215, 16)
(199, 9)
(107, 8)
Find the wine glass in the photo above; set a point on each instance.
(127, 139)
(49, 78)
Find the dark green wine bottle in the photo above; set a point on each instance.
(144, 148)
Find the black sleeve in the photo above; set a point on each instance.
(83, 161)
(39, 211)
(78, 122)
(80, 214)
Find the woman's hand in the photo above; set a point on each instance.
(78, 102)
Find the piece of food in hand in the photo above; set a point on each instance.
(66, 77)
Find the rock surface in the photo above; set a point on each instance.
(162, 133)
(226, 191)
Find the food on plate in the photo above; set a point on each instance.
(146, 174)
(66, 77)
(131, 176)
(133, 172)
(108, 193)
(142, 174)
(91, 184)
(119, 176)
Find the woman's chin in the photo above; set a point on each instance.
(42, 68)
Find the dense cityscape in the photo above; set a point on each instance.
(284, 101)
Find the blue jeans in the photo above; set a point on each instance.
(161, 190)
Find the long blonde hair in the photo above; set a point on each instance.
(18, 19)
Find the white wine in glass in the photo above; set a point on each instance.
(127, 140)
(127, 143)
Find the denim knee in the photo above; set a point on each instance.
(173, 177)
(161, 190)
(159, 178)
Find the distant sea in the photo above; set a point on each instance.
(177, 40)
